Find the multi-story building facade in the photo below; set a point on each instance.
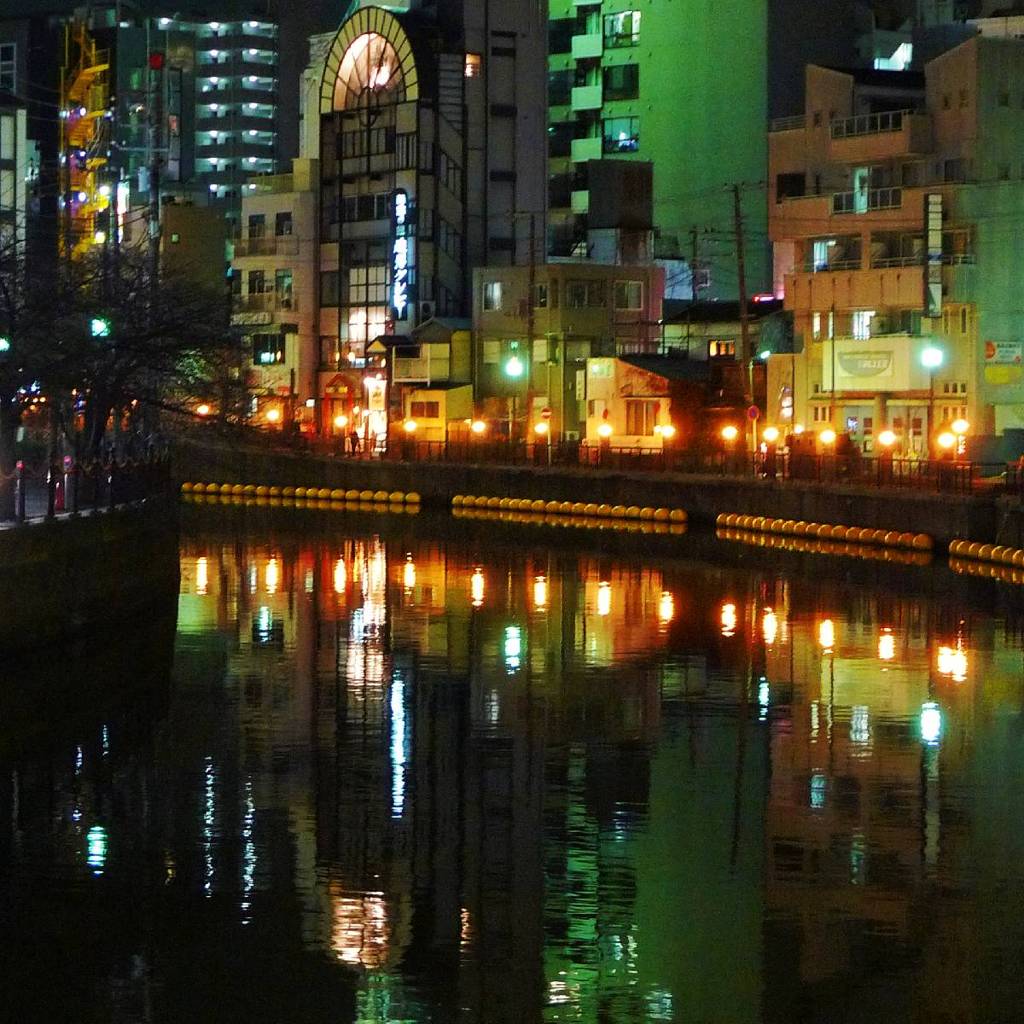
(684, 87)
(14, 174)
(423, 127)
(274, 281)
(892, 211)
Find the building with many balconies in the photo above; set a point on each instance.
(895, 209)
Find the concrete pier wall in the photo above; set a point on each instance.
(942, 516)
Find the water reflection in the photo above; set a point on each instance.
(416, 779)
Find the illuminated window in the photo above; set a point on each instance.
(721, 347)
(492, 295)
(473, 62)
(268, 349)
(621, 134)
(425, 410)
(816, 326)
(862, 323)
(622, 29)
(7, 67)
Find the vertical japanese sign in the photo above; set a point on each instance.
(933, 276)
(402, 256)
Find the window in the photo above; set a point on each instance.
(283, 223)
(450, 174)
(257, 225)
(540, 297)
(560, 136)
(492, 352)
(629, 295)
(584, 294)
(621, 82)
(492, 295)
(257, 282)
(283, 288)
(964, 320)
(473, 65)
(721, 347)
(641, 416)
(862, 324)
(621, 134)
(540, 350)
(267, 349)
(560, 33)
(367, 285)
(329, 290)
(789, 185)
(816, 326)
(425, 410)
(7, 69)
(622, 29)
(560, 88)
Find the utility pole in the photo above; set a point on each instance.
(156, 113)
(741, 273)
(531, 289)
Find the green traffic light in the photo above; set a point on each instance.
(514, 367)
(5, 344)
(100, 327)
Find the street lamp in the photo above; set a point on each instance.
(541, 428)
(828, 437)
(886, 438)
(202, 409)
(770, 434)
(931, 360)
(604, 431)
(410, 426)
(946, 440)
(478, 427)
(341, 421)
(730, 433)
(273, 415)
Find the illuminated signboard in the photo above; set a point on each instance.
(401, 254)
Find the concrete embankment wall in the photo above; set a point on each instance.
(82, 575)
(942, 516)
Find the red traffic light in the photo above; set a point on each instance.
(156, 60)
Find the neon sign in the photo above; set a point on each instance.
(401, 254)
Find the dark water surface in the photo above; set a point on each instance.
(404, 772)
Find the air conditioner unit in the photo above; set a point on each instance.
(572, 435)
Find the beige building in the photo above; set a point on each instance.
(530, 352)
(875, 286)
(274, 284)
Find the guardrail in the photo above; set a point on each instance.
(67, 486)
(934, 475)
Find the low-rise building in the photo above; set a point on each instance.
(530, 351)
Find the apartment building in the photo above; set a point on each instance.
(274, 285)
(15, 170)
(894, 209)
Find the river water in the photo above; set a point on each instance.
(403, 770)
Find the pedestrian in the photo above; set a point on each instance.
(353, 440)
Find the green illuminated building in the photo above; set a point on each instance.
(688, 86)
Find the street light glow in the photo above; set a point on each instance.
(202, 409)
(960, 427)
(541, 428)
(730, 433)
(273, 415)
(341, 420)
(886, 438)
(410, 426)
(478, 427)
(514, 367)
(931, 357)
(604, 430)
(946, 440)
(668, 431)
(771, 434)
(828, 436)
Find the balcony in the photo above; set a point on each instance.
(865, 200)
(586, 149)
(434, 364)
(873, 137)
(268, 245)
(788, 124)
(587, 47)
(586, 97)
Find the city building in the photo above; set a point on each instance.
(274, 285)
(15, 171)
(895, 212)
(423, 127)
(530, 357)
(616, 92)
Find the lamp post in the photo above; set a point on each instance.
(931, 360)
